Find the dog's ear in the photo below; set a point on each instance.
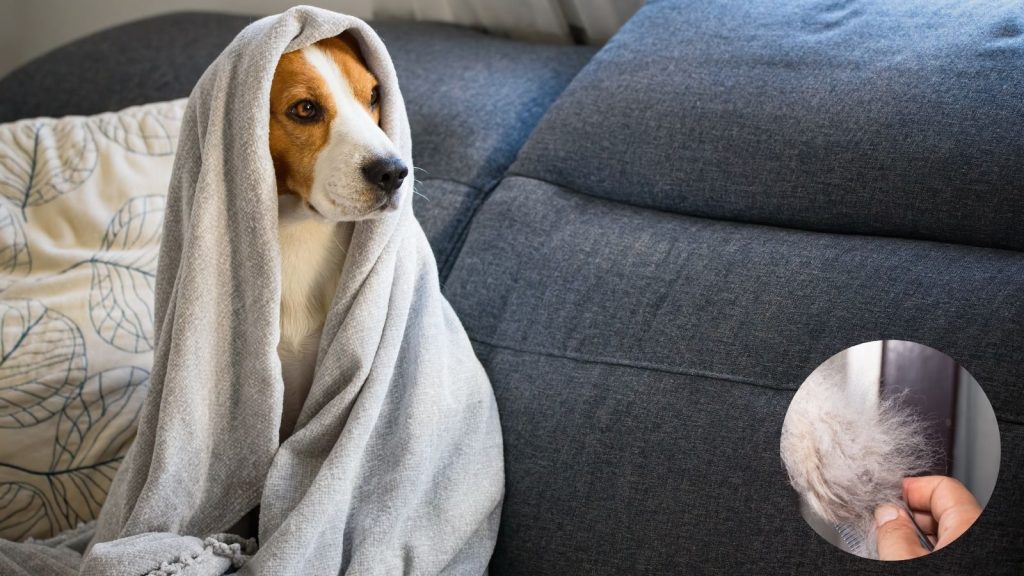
(352, 42)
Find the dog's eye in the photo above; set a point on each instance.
(374, 96)
(305, 111)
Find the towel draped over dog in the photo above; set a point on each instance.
(396, 462)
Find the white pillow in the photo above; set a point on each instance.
(81, 213)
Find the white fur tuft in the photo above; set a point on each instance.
(845, 456)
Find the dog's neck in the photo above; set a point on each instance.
(312, 254)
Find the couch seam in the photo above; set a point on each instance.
(633, 364)
(445, 260)
(571, 190)
(462, 224)
(443, 179)
(1008, 419)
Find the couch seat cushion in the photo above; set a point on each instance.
(643, 362)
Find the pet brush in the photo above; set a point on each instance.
(853, 537)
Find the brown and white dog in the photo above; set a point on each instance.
(334, 166)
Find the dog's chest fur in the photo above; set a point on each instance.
(312, 255)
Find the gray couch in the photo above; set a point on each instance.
(651, 261)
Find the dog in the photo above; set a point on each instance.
(334, 166)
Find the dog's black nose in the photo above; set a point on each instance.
(386, 173)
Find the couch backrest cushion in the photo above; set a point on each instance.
(136, 63)
(876, 117)
(473, 100)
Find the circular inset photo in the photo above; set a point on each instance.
(892, 448)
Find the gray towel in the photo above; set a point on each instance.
(396, 463)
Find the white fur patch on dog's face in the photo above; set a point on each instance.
(340, 191)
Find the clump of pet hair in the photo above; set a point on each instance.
(847, 452)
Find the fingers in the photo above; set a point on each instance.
(935, 493)
(896, 536)
(941, 506)
(927, 523)
(952, 506)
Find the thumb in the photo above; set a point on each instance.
(895, 534)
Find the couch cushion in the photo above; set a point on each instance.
(137, 63)
(81, 216)
(876, 117)
(643, 362)
(472, 98)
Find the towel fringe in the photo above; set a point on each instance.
(231, 546)
(236, 548)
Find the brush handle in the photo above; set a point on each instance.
(920, 533)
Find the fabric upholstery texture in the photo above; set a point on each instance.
(473, 98)
(643, 362)
(878, 117)
(150, 60)
(477, 97)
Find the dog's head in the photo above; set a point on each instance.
(325, 136)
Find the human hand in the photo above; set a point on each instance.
(943, 508)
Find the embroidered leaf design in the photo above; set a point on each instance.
(94, 431)
(123, 275)
(150, 130)
(22, 512)
(42, 362)
(91, 436)
(15, 259)
(43, 158)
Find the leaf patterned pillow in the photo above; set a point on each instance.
(81, 212)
